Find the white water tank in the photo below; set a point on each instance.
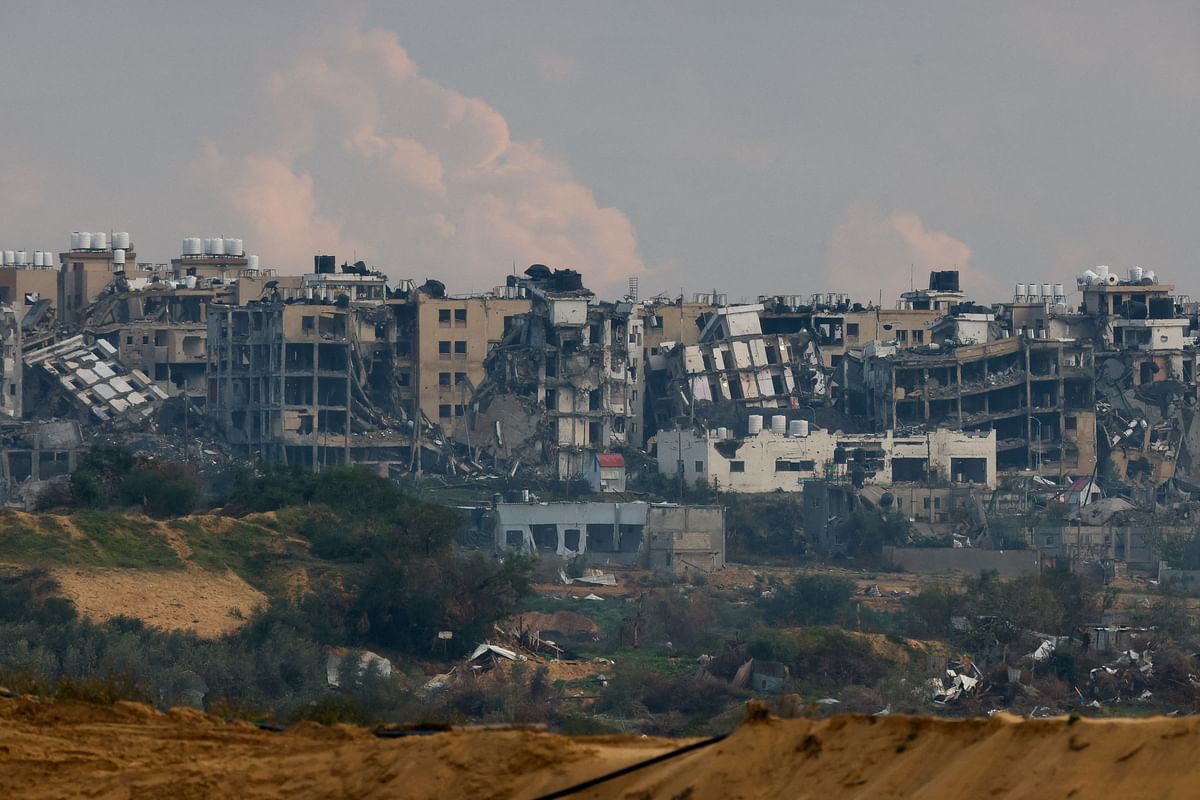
(22, 258)
(38, 259)
(233, 247)
(100, 241)
(1019, 293)
(1087, 278)
(252, 262)
(216, 247)
(794, 427)
(1136, 273)
(190, 281)
(85, 240)
(120, 240)
(75, 240)
(118, 258)
(722, 434)
(1112, 279)
(1150, 276)
(1047, 290)
(803, 427)
(193, 246)
(1102, 270)
(1035, 292)
(1059, 290)
(754, 424)
(779, 424)
(10, 258)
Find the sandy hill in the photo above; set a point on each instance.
(204, 573)
(128, 750)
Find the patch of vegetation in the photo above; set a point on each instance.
(124, 541)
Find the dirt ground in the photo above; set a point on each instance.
(209, 603)
(128, 750)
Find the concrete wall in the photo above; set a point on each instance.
(1009, 563)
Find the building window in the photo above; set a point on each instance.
(802, 465)
(737, 466)
(444, 411)
(852, 329)
(405, 378)
(1070, 423)
(460, 348)
(458, 410)
(925, 502)
(635, 394)
(699, 466)
(444, 317)
(128, 340)
(918, 337)
(460, 317)
(901, 336)
(460, 377)
(444, 349)
(145, 340)
(443, 379)
(308, 324)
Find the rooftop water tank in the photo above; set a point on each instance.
(39, 260)
(1112, 279)
(794, 427)
(85, 240)
(10, 258)
(190, 281)
(100, 241)
(1020, 292)
(754, 424)
(118, 258)
(722, 434)
(22, 258)
(803, 427)
(1102, 270)
(252, 262)
(75, 240)
(1087, 278)
(1135, 274)
(779, 424)
(120, 239)
(233, 247)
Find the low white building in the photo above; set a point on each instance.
(607, 473)
(771, 460)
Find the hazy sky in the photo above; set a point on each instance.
(791, 147)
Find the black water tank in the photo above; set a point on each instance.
(1162, 308)
(325, 265)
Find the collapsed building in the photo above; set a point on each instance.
(562, 385)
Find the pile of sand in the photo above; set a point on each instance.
(54, 750)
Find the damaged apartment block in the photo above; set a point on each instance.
(562, 386)
(290, 382)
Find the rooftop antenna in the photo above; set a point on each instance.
(911, 285)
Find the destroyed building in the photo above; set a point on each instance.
(1037, 395)
(562, 384)
(287, 384)
(98, 387)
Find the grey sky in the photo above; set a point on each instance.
(793, 147)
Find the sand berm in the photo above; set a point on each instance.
(72, 749)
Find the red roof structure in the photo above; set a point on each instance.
(610, 460)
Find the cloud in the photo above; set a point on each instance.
(872, 252)
(422, 180)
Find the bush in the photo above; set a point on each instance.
(810, 600)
